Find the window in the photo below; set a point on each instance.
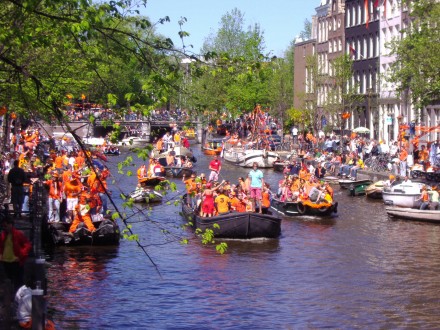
(340, 44)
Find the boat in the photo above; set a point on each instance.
(107, 233)
(244, 157)
(290, 209)
(93, 141)
(280, 165)
(213, 146)
(134, 141)
(405, 194)
(414, 214)
(178, 171)
(347, 183)
(374, 190)
(111, 151)
(235, 225)
(178, 152)
(151, 181)
(358, 189)
(145, 195)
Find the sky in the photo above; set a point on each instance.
(281, 20)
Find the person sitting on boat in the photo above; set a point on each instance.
(222, 202)
(142, 172)
(424, 198)
(433, 198)
(185, 142)
(187, 163)
(158, 169)
(171, 158)
(215, 166)
(82, 214)
(281, 184)
(237, 204)
(406, 179)
(303, 173)
(390, 182)
(202, 178)
(319, 171)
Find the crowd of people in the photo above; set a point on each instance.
(76, 180)
(210, 197)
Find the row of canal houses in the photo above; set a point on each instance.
(360, 29)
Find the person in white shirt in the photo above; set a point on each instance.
(295, 134)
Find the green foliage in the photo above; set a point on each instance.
(418, 55)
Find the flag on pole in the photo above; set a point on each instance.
(353, 51)
(367, 12)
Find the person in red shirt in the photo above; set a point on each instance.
(215, 166)
(14, 250)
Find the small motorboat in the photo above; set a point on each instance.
(299, 208)
(347, 183)
(375, 190)
(107, 233)
(405, 194)
(358, 189)
(151, 181)
(178, 171)
(212, 147)
(111, 151)
(146, 195)
(414, 214)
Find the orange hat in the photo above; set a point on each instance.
(392, 177)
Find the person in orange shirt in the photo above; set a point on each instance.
(142, 172)
(99, 187)
(265, 199)
(79, 159)
(237, 204)
(59, 160)
(191, 189)
(403, 155)
(55, 197)
(82, 214)
(424, 157)
(72, 189)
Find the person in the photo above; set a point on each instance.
(14, 250)
(208, 203)
(424, 198)
(319, 171)
(354, 169)
(237, 204)
(222, 202)
(82, 214)
(72, 189)
(142, 172)
(215, 166)
(295, 134)
(424, 157)
(256, 186)
(265, 198)
(23, 303)
(17, 177)
(55, 197)
(191, 189)
(433, 198)
(403, 155)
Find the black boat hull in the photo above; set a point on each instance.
(236, 225)
(293, 209)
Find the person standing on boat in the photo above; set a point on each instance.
(433, 198)
(403, 155)
(257, 182)
(215, 166)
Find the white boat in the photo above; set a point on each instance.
(146, 196)
(246, 157)
(405, 194)
(93, 141)
(414, 214)
(134, 141)
(178, 152)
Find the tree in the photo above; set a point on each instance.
(418, 54)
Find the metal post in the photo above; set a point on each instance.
(38, 308)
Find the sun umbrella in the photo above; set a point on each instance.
(361, 130)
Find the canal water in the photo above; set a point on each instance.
(357, 269)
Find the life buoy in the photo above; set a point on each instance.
(301, 208)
